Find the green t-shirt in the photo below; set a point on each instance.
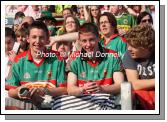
(116, 43)
(125, 21)
(81, 21)
(50, 69)
(100, 71)
(46, 13)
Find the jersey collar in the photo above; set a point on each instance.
(30, 58)
(94, 61)
(111, 38)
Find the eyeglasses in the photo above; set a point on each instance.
(146, 20)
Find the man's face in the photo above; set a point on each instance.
(37, 40)
(9, 43)
(138, 52)
(88, 41)
(105, 26)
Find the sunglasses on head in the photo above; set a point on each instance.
(146, 20)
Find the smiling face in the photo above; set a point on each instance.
(139, 52)
(70, 25)
(37, 39)
(88, 41)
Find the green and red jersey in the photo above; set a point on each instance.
(26, 70)
(116, 43)
(100, 70)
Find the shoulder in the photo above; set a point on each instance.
(20, 55)
(56, 54)
(122, 39)
(112, 52)
(74, 55)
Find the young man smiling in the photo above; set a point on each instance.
(91, 79)
(47, 72)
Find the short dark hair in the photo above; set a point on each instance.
(10, 33)
(39, 25)
(143, 14)
(19, 14)
(89, 27)
(112, 20)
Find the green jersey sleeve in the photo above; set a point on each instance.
(61, 74)
(14, 79)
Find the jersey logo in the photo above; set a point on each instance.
(83, 74)
(26, 75)
(49, 74)
(105, 72)
(125, 21)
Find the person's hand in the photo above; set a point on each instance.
(38, 91)
(23, 94)
(12, 55)
(36, 95)
(91, 87)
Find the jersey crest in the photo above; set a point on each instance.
(27, 75)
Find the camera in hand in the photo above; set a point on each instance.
(23, 92)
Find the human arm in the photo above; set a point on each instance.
(131, 11)
(139, 84)
(86, 14)
(65, 37)
(133, 75)
(72, 87)
(118, 78)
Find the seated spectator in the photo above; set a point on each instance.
(92, 14)
(82, 11)
(135, 10)
(21, 36)
(45, 11)
(110, 39)
(71, 24)
(125, 21)
(10, 39)
(41, 74)
(66, 12)
(139, 64)
(19, 16)
(50, 22)
(144, 18)
(92, 74)
(28, 20)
